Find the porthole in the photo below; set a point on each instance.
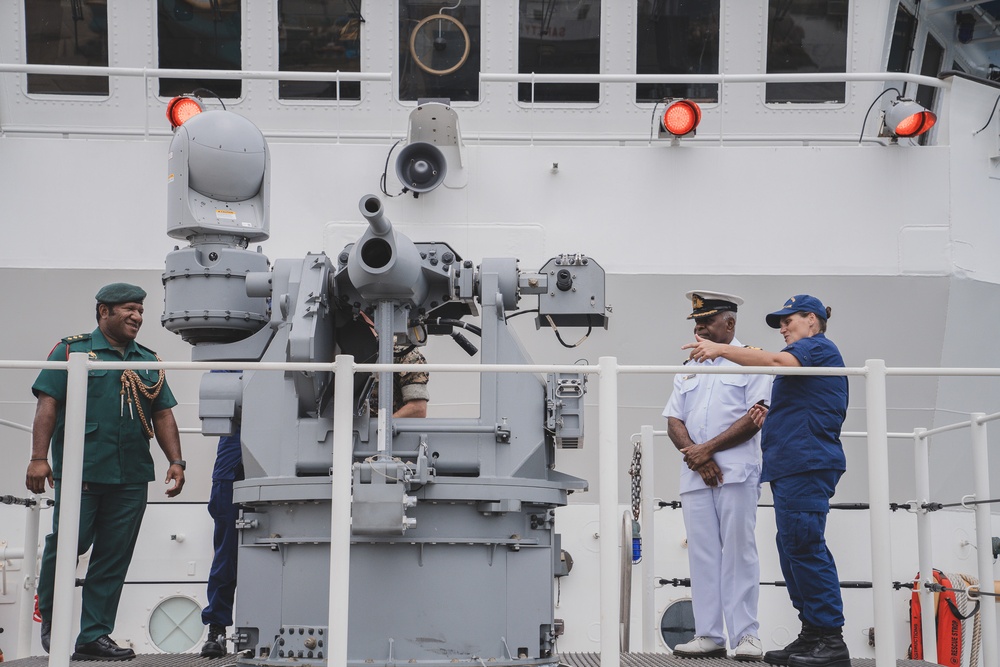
(175, 624)
(677, 623)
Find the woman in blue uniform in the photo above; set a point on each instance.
(803, 460)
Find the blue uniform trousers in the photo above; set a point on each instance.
(801, 505)
(221, 588)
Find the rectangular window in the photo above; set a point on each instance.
(319, 36)
(903, 34)
(930, 66)
(199, 34)
(66, 32)
(678, 37)
(439, 47)
(559, 37)
(807, 36)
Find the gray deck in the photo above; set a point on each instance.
(569, 659)
(668, 660)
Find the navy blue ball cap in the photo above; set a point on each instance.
(120, 293)
(800, 303)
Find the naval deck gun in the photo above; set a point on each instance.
(453, 544)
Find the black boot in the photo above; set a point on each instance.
(46, 632)
(829, 651)
(215, 643)
(804, 642)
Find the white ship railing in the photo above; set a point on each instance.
(921, 438)
(531, 78)
(874, 373)
(503, 77)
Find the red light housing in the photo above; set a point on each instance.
(681, 118)
(181, 109)
(906, 118)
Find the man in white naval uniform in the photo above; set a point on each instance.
(707, 421)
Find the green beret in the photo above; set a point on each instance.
(120, 293)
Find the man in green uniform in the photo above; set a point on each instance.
(124, 410)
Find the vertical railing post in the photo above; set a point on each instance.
(70, 490)
(25, 621)
(984, 541)
(340, 509)
(925, 551)
(649, 622)
(607, 457)
(878, 498)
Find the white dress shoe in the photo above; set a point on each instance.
(749, 648)
(700, 647)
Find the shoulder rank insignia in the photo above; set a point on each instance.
(76, 338)
(143, 347)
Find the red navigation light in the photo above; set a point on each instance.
(181, 109)
(681, 118)
(906, 118)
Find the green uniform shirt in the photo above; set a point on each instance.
(116, 450)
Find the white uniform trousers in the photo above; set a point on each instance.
(722, 554)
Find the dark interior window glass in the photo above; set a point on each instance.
(903, 34)
(806, 36)
(199, 34)
(559, 38)
(319, 36)
(679, 37)
(439, 47)
(930, 66)
(66, 32)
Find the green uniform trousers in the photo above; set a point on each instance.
(110, 515)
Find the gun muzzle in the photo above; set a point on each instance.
(385, 264)
(371, 208)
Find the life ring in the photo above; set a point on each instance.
(426, 23)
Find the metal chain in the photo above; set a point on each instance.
(635, 470)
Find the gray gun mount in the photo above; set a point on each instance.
(453, 549)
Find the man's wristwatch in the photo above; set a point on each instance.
(180, 462)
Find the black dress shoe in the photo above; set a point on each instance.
(102, 648)
(46, 634)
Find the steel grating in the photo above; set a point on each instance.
(669, 660)
(568, 659)
(142, 660)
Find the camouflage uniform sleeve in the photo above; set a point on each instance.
(413, 386)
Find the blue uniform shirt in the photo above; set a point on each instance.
(229, 455)
(802, 429)
(228, 459)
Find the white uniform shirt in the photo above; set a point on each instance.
(710, 404)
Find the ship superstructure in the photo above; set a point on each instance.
(543, 119)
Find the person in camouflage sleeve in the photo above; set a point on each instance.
(409, 392)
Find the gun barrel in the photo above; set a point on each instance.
(371, 208)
